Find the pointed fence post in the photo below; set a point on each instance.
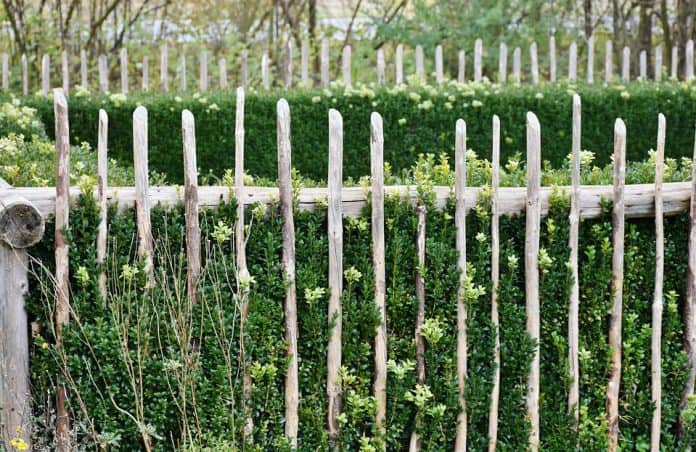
(502, 63)
(164, 67)
(84, 82)
(461, 66)
(675, 61)
(608, 62)
(124, 71)
(25, 76)
(142, 190)
(102, 183)
(478, 57)
(222, 66)
(325, 78)
(103, 74)
(656, 345)
(573, 62)
(146, 74)
(335, 233)
(552, 59)
(183, 83)
(534, 63)
(378, 264)
(304, 62)
(292, 392)
(265, 78)
(62, 272)
(689, 60)
(495, 276)
(45, 74)
(590, 60)
(346, 65)
(690, 304)
(617, 262)
(65, 66)
(380, 66)
(420, 68)
(203, 78)
(399, 62)
(439, 73)
(517, 65)
(460, 225)
(573, 245)
(643, 65)
(193, 230)
(658, 64)
(626, 64)
(415, 442)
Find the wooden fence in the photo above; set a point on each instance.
(21, 225)
(287, 72)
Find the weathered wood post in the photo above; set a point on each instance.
(193, 230)
(288, 65)
(65, 67)
(102, 181)
(164, 67)
(124, 71)
(689, 60)
(517, 65)
(420, 64)
(626, 64)
(573, 244)
(534, 59)
(203, 75)
(674, 63)
(222, 66)
(21, 226)
(142, 190)
(658, 63)
(608, 61)
(643, 64)
(439, 73)
(304, 64)
(346, 66)
(495, 276)
(25, 75)
(325, 77)
(145, 86)
(5, 72)
(552, 58)
(656, 345)
(573, 62)
(183, 83)
(265, 78)
(502, 63)
(243, 70)
(478, 60)
(590, 60)
(415, 442)
(84, 82)
(531, 271)
(292, 389)
(617, 264)
(460, 225)
(461, 66)
(103, 74)
(380, 65)
(45, 74)
(690, 304)
(399, 63)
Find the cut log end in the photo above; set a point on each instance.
(21, 224)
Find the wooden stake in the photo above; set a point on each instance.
(288, 65)
(264, 72)
(608, 61)
(552, 59)
(45, 74)
(124, 71)
(531, 271)
(643, 64)
(590, 60)
(689, 60)
(305, 64)
(420, 67)
(182, 73)
(203, 78)
(103, 74)
(84, 82)
(460, 224)
(222, 66)
(146, 74)
(502, 63)
(478, 60)
(292, 392)
(675, 62)
(164, 67)
(658, 63)
(617, 217)
(535, 63)
(439, 73)
(25, 76)
(574, 303)
(690, 305)
(415, 443)
(243, 70)
(656, 346)
(65, 66)
(193, 231)
(380, 66)
(335, 233)
(573, 62)
(142, 189)
(461, 66)
(517, 65)
(378, 264)
(325, 63)
(399, 74)
(495, 276)
(346, 63)
(102, 182)
(626, 65)
(60, 109)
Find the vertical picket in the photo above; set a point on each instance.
(222, 66)
(689, 60)
(552, 58)
(658, 63)
(675, 61)
(124, 71)
(399, 62)
(690, 304)
(495, 276)
(145, 86)
(656, 346)
(203, 71)
(102, 183)
(573, 245)
(288, 65)
(420, 68)
(25, 75)
(193, 231)
(62, 308)
(378, 264)
(103, 73)
(626, 64)
(502, 63)
(346, 65)
(439, 75)
(183, 83)
(83, 69)
(415, 443)
(325, 77)
(335, 234)
(45, 74)
(534, 63)
(460, 224)
(478, 57)
(380, 65)
(617, 218)
(265, 79)
(164, 67)
(643, 64)
(517, 65)
(590, 60)
(292, 392)
(461, 66)
(304, 62)
(5, 72)
(608, 61)
(142, 189)
(573, 62)
(531, 271)
(65, 67)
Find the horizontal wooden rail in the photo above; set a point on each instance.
(639, 198)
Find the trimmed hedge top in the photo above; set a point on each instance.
(417, 120)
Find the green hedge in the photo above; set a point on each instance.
(416, 120)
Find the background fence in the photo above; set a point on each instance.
(22, 226)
